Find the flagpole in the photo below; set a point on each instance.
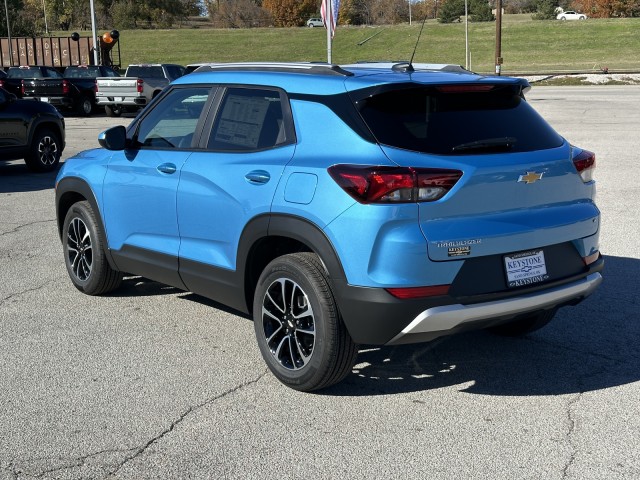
(329, 29)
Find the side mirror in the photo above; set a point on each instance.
(114, 138)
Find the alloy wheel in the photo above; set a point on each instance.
(79, 249)
(288, 324)
(47, 151)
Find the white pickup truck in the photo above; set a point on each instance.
(139, 85)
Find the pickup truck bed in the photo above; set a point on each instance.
(138, 87)
(75, 91)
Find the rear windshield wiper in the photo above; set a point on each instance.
(493, 144)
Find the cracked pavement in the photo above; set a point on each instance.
(151, 382)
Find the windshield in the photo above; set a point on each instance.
(455, 120)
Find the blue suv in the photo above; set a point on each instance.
(340, 205)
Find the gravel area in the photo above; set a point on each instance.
(591, 78)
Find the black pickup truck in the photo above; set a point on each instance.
(75, 90)
(15, 75)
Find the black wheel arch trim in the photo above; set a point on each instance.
(78, 187)
(311, 235)
(47, 122)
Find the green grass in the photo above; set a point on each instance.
(527, 45)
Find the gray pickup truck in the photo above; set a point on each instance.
(140, 84)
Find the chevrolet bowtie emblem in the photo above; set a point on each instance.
(530, 177)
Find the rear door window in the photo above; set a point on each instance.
(455, 119)
(250, 119)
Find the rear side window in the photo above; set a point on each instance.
(454, 120)
(249, 119)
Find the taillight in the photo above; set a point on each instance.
(95, 86)
(65, 87)
(368, 184)
(139, 84)
(418, 292)
(1, 84)
(585, 163)
(464, 88)
(22, 87)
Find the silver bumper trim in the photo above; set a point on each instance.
(448, 317)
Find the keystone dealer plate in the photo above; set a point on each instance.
(525, 268)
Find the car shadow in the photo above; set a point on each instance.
(587, 347)
(15, 177)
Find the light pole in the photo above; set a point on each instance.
(93, 32)
(6, 11)
(46, 25)
(409, 12)
(466, 36)
(498, 36)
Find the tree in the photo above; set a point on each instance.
(450, 11)
(480, 11)
(290, 13)
(608, 8)
(238, 14)
(545, 10)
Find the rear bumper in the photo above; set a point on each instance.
(373, 316)
(438, 321)
(127, 101)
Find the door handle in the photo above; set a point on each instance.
(167, 168)
(258, 177)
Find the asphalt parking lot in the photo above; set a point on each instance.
(152, 382)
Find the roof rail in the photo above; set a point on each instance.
(291, 67)
(442, 67)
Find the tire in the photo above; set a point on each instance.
(563, 18)
(84, 255)
(524, 325)
(298, 327)
(44, 151)
(85, 106)
(113, 110)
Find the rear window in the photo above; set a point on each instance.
(146, 72)
(454, 120)
(24, 73)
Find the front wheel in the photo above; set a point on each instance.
(44, 152)
(523, 325)
(84, 254)
(297, 324)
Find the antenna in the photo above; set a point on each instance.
(424, 20)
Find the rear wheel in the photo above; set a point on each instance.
(84, 255)
(524, 325)
(113, 110)
(298, 327)
(44, 152)
(85, 106)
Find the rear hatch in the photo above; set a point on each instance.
(43, 87)
(117, 86)
(519, 188)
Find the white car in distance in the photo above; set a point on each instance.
(571, 15)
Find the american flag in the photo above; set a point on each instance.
(330, 18)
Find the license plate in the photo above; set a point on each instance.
(117, 99)
(44, 99)
(525, 268)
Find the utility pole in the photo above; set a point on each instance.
(498, 36)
